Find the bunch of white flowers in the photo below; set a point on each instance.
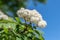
(32, 16)
(3, 16)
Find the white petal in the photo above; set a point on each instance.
(42, 24)
(5, 17)
(34, 19)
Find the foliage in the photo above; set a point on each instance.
(16, 30)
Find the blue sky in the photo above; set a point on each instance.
(51, 13)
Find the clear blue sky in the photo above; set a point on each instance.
(51, 13)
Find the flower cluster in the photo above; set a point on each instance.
(32, 16)
(3, 16)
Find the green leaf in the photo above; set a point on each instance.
(25, 38)
(36, 31)
(11, 19)
(18, 19)
(5, 30)
(41, 37)
(29, 34)
(18, 38)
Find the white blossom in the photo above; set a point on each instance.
(32, 16)
(20, 12)
(3, 16)
(42, 24)
(0, 17)
(36, 13)
(28, 13)
(34, 19)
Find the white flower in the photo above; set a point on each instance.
(28, 12)
(3, 16)
(34, 19)
(32, 16)
(36, 13)
(42, 24)
(20, 12)
(0, 16)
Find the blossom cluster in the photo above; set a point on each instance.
(32, 16)
(3, 16)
